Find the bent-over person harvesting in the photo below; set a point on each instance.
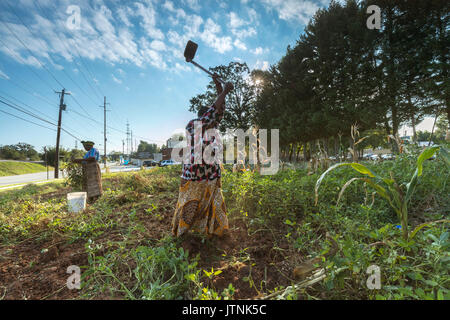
(200, 205)
(92, 176)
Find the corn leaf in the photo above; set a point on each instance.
(443, 153)
(379, 189)
(358, 167)
(411, 186)
(426, 154)
(362, 169)
(426, 224)
(345, 187)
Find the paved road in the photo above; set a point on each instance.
(41, 176)
(26, 178)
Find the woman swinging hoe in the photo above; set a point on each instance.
(201, 206)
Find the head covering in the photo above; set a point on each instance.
(87, 143)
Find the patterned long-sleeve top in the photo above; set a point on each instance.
(204, 171)
(92, 153)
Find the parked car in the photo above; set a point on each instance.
(374, 157)
(149, 163)
(388, 156)
(165, 163)
(367, 156)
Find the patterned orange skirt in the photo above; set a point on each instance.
(201, 208)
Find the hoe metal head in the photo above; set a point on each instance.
(190, 50)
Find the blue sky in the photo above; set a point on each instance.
(132, 53)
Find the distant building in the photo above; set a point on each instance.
(406, 139)
(144, 155)
(157, 157)
(171, 144)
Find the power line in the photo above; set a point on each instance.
(24, 62)
(40, 125)
(34, 109)
(77, 51)
(28, 49)
(65, 72)
(21, 109)
(79, 104)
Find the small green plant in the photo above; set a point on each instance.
(398, 196)
(74, 173)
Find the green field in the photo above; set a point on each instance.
(12, 168)
(124, 247)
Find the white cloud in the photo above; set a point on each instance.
(151, 56)
(122, 13)
(239, 44)
(3, 75)
(235, 21)
(182, 67)
(158, 45)
(193, 4)
(193, 23)
(210, 37)
(245, 33)
(263, 65)
(238, 26)
(108, 34)
(253, 15)
(148, 15)
(257, 51)
(116, 80)
(169, 6)
(292, 10)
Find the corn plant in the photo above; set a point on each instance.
(355, 135)
(398, 196)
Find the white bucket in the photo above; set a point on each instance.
(76, 201)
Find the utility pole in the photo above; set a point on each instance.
(104, 128)
(131, 141)
(128, 138)
(46, 161)
(123, 147)
(62, 107)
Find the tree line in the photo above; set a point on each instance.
(26, 152)
(341, 73)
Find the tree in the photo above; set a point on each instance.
(239, 104)
(64, 155)
(19, 151)
(147, 147)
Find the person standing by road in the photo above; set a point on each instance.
(92, 176)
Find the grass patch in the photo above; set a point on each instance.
(11, 168)
(124, 247)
